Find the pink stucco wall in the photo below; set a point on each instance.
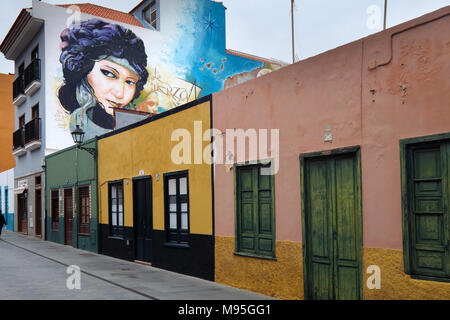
(372, 93)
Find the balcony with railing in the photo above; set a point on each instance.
(19, 96)
(19, 142)
(33, 134)
(33, 77)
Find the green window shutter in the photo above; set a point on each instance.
(428, 197)
(246, 210)
(255, 212)
(319, 231)
(265, 225)
(347, 221)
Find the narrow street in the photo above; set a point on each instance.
(35, 269)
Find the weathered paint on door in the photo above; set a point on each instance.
(143, 213)
(68, 217)
(255, 216)
(332, 227)
(428, 201)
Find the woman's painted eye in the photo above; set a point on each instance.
(130, 82)
(107, 73)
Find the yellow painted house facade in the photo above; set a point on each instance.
(155, 198)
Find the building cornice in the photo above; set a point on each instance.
(21, 33)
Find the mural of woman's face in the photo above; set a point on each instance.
(114, 85)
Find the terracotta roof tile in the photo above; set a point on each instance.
(106, 13)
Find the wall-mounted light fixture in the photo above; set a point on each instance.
(78, 138)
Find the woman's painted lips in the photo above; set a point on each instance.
(114, 104)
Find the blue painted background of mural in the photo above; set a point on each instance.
(210, 63)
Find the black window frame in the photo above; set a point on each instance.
(118, 230)
(176, 237)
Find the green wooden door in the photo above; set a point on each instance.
(333, 227)
(428, 201)
(255, 213)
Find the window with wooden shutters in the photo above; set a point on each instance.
(22, 68)
(84, 210)
(177, 207)
(150, 14)
(35, 53)
(427, 215)
(116, 209)
(22, 121)
(55, 209)
(35, 112)
(255, 216)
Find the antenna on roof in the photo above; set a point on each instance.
(292, 23)
(385, 14)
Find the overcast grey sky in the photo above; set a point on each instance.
(263, 27)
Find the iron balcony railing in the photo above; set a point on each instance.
(33, 72)
(33, 130)
(18, 86)
(18, 138)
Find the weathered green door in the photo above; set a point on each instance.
(332, 229)
(428, 201)
(255, 214)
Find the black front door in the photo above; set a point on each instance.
(143, 218)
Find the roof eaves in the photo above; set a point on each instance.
(250, 56)
(21, 21)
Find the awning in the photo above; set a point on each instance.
(19, 190)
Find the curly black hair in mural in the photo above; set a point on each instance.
(87, 42)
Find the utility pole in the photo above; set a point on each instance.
(292, 23)
(385, 14)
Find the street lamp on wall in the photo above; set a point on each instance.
(78, 138)
(78, 135)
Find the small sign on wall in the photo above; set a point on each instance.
(141, 172)
(328, 136)
(22, 184)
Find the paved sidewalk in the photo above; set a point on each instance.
(141, 281)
